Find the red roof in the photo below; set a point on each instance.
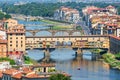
(1, 74)
(118, 38)
(17, 75)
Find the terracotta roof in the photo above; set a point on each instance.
(17, 75)
(118, 38)
(10, 71)
(10, 19)
(110, 6)
(26, 70)
(66, 9)
(1, 74)
(34, 75)
(3, 41)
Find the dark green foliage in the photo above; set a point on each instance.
(7, 16)
(47, 9)
(12, 62)
(110, 58)
(117, 55)
(28, 60)
(59, 77)
(2, 15)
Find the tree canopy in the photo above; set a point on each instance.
(47, 9)
(2, 15)
(59, 77)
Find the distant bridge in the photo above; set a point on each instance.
(53, 32)
(31, 25)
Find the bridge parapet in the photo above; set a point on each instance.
(53, 32)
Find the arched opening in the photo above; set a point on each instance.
(64, 43)
(28, 34)
(43, 33)
(62, 33)
(57, 43)
(69, 43)
(76, 33)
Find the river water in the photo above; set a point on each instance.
(66, 61)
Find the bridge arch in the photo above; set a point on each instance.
(57, 43)
(76, 33)
(28, 34)
(61, 33)
(43, 33)
(69, 43)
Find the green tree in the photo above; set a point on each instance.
(7, 16)
(59, 77)
(1, 15)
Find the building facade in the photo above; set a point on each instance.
(16, 39)
(102, 21)
(67, 14)
(10, 23)
(3, 42)
(3, 48)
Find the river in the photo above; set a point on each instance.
(65, 60)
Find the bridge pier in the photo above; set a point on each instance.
(79, 52)
(46, 55)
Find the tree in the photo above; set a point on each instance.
(7, 16)
(59, 77)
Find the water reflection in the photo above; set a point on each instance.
(89, 69)
(66, 61)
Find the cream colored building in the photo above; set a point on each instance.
(16, 39)
(10, 22)
(3, 48)
(3, 43)
(67, 14)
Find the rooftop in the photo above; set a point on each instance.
(16, 29)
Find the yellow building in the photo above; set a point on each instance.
(10, 22)
(3, 48)
(16, 39)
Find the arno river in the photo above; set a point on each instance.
(65, 60)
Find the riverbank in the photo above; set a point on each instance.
(112, 61)
(58, 25)
(28, 60)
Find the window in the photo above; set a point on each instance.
(10, 41)
(21, 37)
(10, 34)
(16, 37)
(16, 45)
(10, 44)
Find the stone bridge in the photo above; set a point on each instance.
(31, 25)
(53, 32)
(92, 41)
